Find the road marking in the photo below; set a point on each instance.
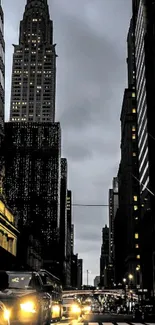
(107, 323)
(123, 323)
(138, 324)
(150, 323)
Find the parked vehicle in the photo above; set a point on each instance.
(71, 308)
(34, 298)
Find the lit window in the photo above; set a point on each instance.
(134, 154)
(133, 95)
(136, 236)
(133, 128)
(133, 136)
(135, 207)
(134, 110)
(137, 246)
(135, 198)
(138, 257)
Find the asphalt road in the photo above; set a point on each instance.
(103, 319)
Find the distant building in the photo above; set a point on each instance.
(34, 67)
(68, 247)
(113, 206)
(97, 281)
(63, 221)
(104, 258)
(72, 238)
(74, 263)
(79, 273)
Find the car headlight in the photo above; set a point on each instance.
(28, 307)
(56, 309)
(75, 309)
(6, 314)
(87, 308)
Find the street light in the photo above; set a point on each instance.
(124, 280)
(130, 276)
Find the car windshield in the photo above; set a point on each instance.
(20, 281)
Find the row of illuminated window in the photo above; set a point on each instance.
(1, 25)
(2, 82)
(2, 54)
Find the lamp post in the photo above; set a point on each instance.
(124, 281)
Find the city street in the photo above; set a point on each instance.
(107, 319)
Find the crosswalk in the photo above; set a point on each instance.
(107, 323)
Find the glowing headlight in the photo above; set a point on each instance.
(28, 307)
(56, 308)
(76, 309)
(6, 314)
(87, 308)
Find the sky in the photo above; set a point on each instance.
(91, 77)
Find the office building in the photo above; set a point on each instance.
(74, 263)
(97, 281)
(104, 258)
(72, 238)
(79, 273)
(63, 220)
(127, 250)
(33, 169)
(2, 95)
(113, 206)
(144, 38)
(68, 242)
(34, 67)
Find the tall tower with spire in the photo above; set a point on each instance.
(34, 67)
(33, 140)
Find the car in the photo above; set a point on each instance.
(29, 300)
(71, 308)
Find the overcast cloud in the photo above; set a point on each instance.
(91, 77)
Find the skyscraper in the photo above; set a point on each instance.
(34, 67)
(144, 40)
(63, 220)
(113, 206)
(104, 258)
(127, 224)
(69, 238)
(2, 89)
(33, 139)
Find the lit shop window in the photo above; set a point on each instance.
(135, 198)
(134, 110)
(136, 235)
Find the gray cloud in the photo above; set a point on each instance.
(91, 77)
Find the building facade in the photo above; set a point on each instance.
(69, 243)
(113, 206)
(144, 25)
(8, 237)
(72, 238)
(33, 170)
(79, 273)
(104, 258)
(2, 95)
(34, 67)
(63, 221)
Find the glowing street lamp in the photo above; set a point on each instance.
(130, 276)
